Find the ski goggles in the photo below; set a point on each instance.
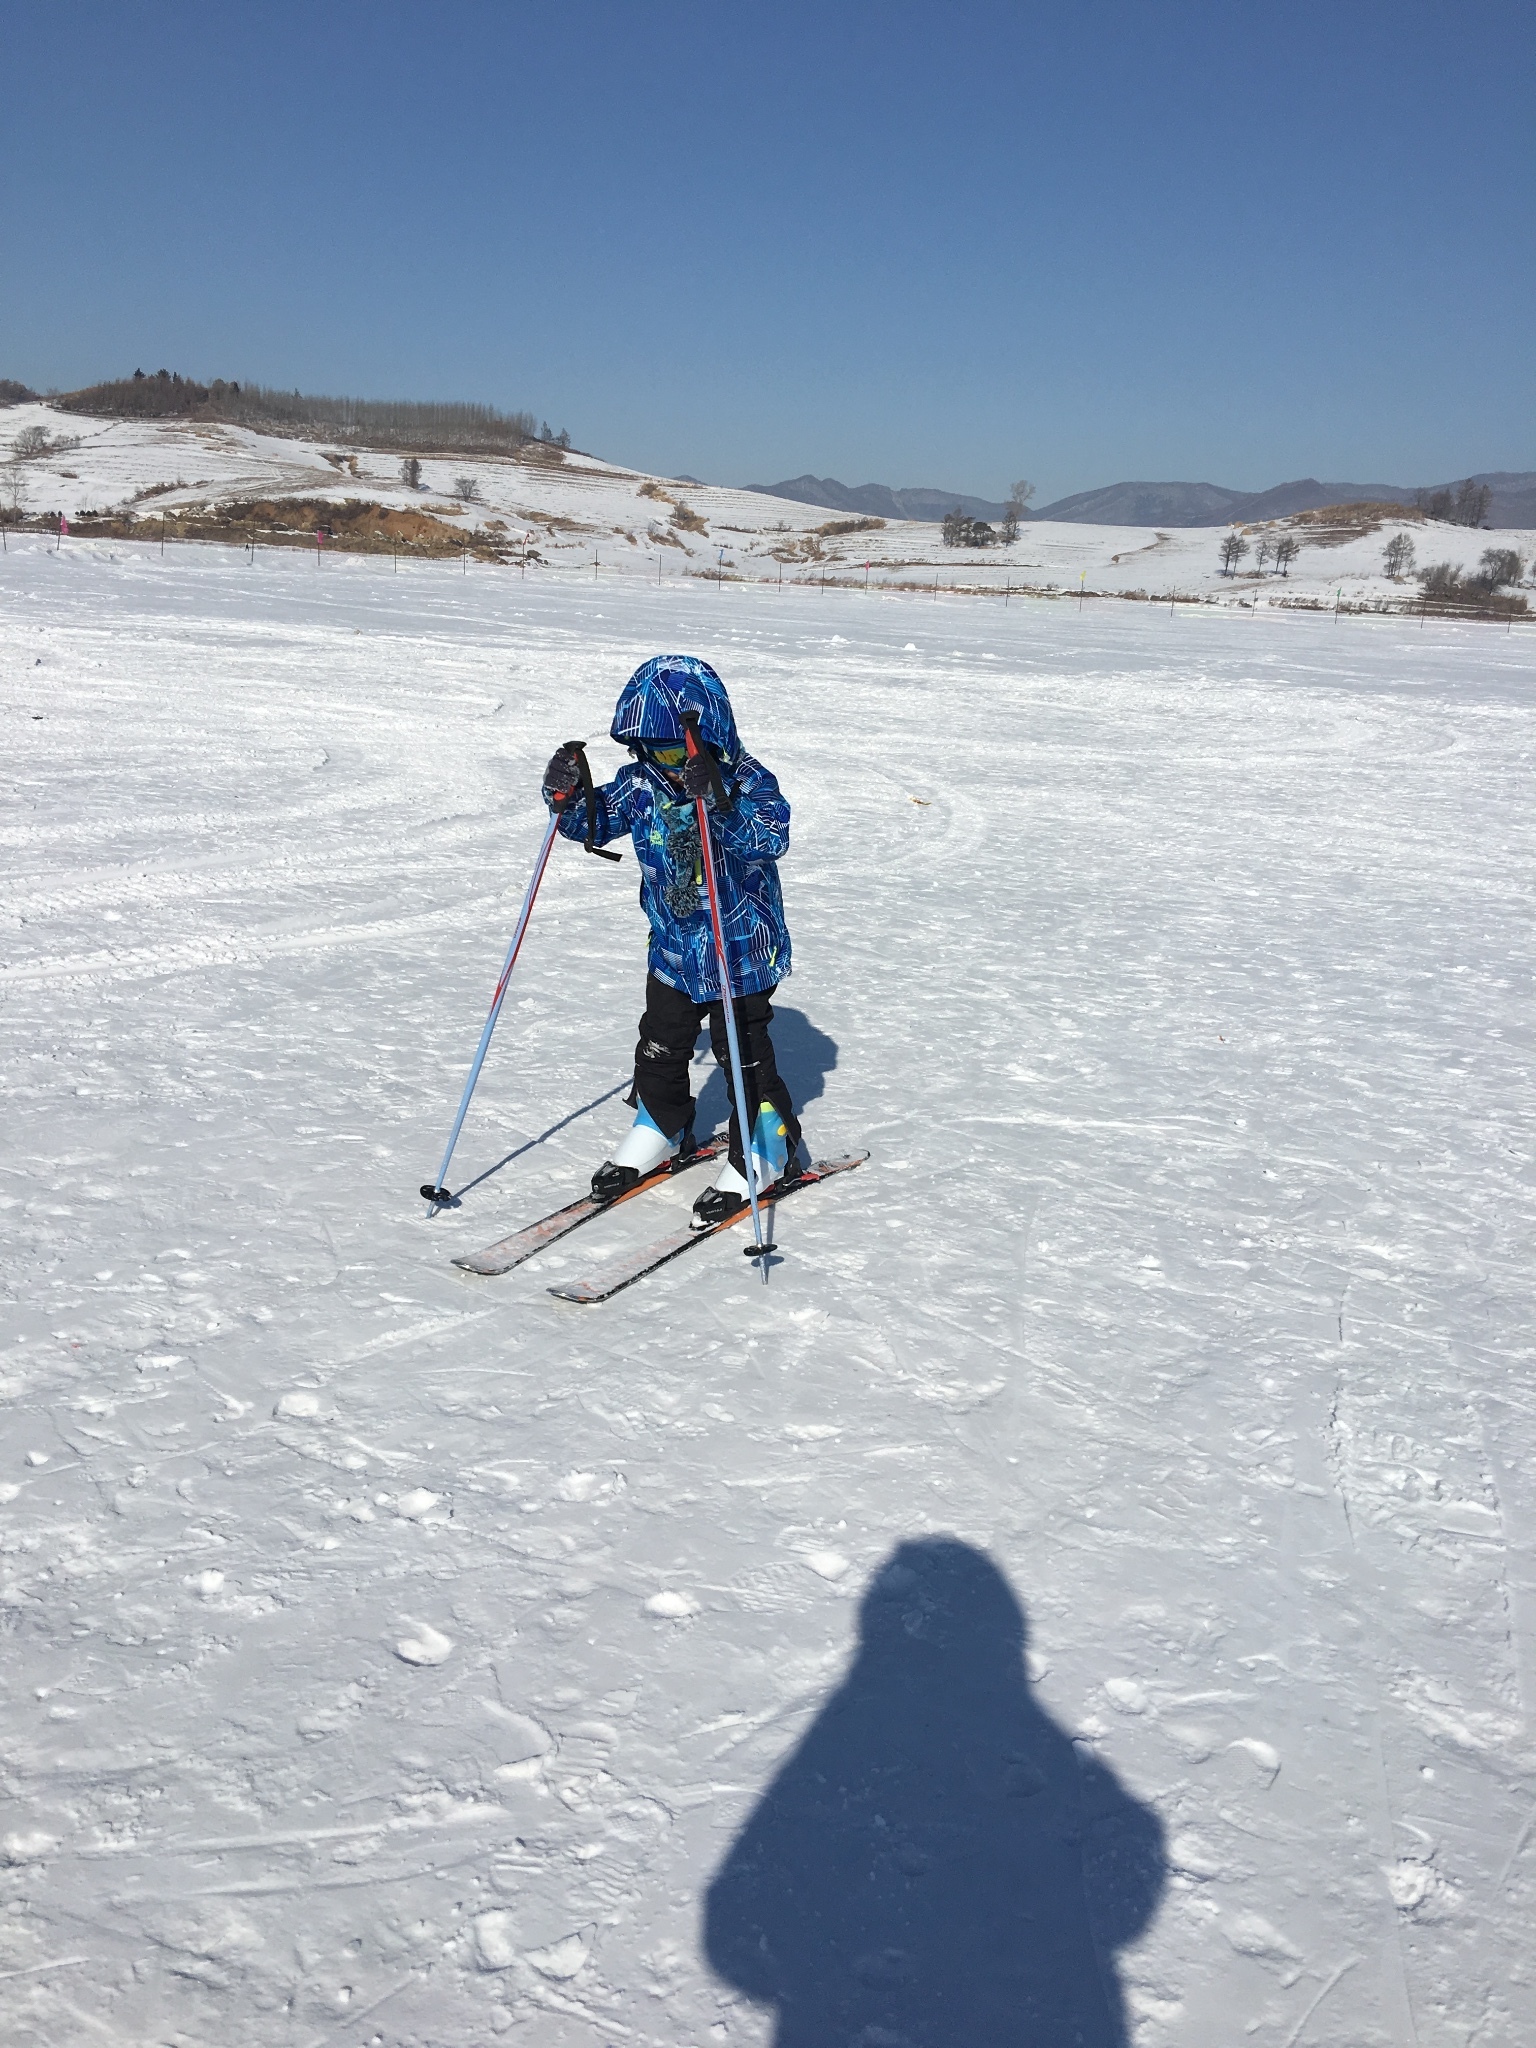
(670, 757)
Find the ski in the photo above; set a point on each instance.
(623, 1272)
(511, 1251)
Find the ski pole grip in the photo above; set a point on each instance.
(589, 793)
(562, 799)
(695, 748)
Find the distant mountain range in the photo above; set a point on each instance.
(1513, 502)
(878, 500)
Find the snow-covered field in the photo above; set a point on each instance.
(395, 1658)
(590, 520)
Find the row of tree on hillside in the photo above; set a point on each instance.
(1279, 549)
(1466, 505)
(960, 530)
(1497, 569)
(376, 422)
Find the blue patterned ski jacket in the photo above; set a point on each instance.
(749, 836)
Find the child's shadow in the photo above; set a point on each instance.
(805, 1057)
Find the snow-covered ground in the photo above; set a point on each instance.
(591, 520)
(395, 1658)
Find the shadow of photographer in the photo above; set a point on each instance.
(937, 1865)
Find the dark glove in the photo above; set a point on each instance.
(562, 778)
(698, 774)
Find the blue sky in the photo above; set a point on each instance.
(948, 244)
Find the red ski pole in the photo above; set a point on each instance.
(757, 1249)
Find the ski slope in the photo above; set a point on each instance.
(394, 1657)
(589, 520)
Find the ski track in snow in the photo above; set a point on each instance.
(392, 1657)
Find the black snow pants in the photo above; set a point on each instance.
(669, 1030)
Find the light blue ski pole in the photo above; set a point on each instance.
(439, 1193)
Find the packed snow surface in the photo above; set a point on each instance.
(1088, 1593)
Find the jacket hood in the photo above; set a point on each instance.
(652, 702)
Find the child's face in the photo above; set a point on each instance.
(669, 759)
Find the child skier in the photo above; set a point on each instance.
(654, 801)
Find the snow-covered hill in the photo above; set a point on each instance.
(586, 517)
(1097, 1572)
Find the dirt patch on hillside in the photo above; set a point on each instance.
(356, 526)
(805, 547)
(1330, 526)
(835, 528)
(683, 515)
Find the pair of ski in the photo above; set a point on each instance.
(631, 1266)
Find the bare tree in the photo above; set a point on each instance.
(1266, 551)
(1398, 557)
(410, 472)
(13, 490)
(954, 528)
(1500, 566)
(1233, 549)
(1441, 583)
(30, 443)
(1472, 501)
(467, 488)
(1013, 511)
(1287, 548)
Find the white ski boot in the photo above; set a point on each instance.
(770, 1156)
(645, 1147)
